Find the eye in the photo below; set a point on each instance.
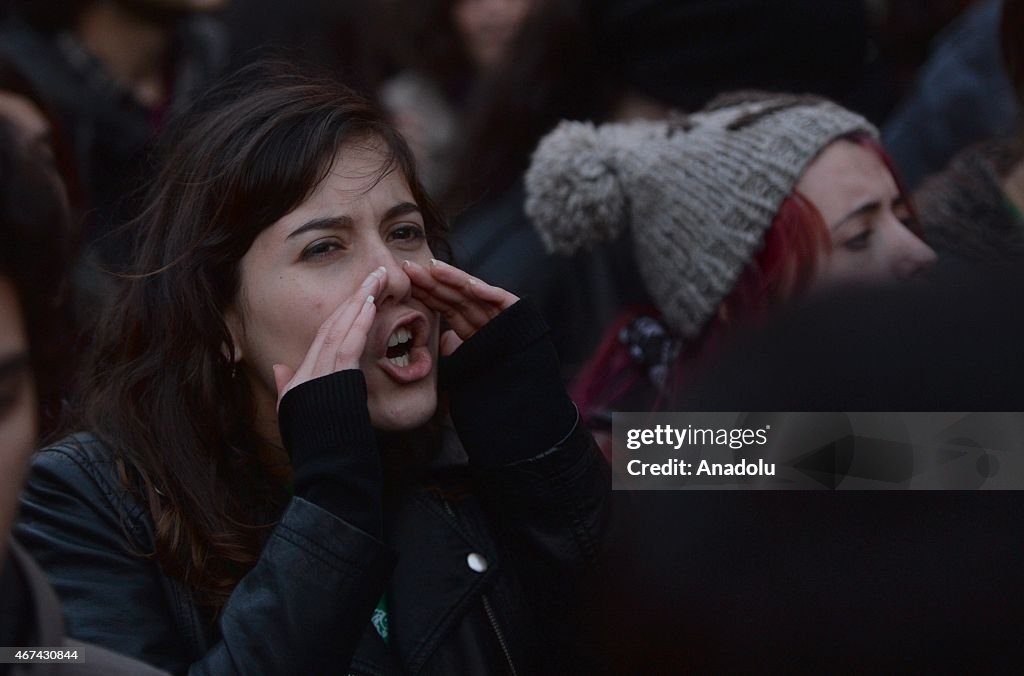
(407, 234)
(320, 250)
(858, 242)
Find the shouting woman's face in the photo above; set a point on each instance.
(301, 268)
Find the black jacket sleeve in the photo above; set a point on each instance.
(325, 425)
(541, 471)
(541, 476)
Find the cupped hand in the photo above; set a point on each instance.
(340, 340)
(463, 300)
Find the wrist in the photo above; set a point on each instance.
(326, 413)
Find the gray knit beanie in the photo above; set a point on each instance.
(697, 192)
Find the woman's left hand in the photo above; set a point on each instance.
(463, 300)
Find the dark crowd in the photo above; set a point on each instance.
(314, 316)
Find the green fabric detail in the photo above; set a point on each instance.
(380, 618)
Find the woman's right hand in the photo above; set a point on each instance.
(340, 340)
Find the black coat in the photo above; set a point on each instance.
(476, 581)
(304, 607)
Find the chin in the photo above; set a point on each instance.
(403, 413)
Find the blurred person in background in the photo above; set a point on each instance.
(973, 211)
(37, 134)
(114, 70)
(335, 37)
(606, 60)
(39, 125)
(28, 115)
(33, 266)
(962, 95)
(444, 48)
(731, 214)
(904, 33)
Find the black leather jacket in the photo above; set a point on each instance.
(475, 583)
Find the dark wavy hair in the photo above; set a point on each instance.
(159, 389)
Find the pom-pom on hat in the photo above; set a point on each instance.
(697, 193)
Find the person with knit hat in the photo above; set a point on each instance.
(730, 212)
(612, 61)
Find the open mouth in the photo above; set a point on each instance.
(407, 356)
(399, 346)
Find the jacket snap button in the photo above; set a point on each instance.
(476, 563)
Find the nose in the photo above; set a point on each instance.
(399, 286)
(912, 256)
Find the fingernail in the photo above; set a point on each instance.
(472, 282)
(434, 262)
(405, 264)
(369, 300)
(374, 276)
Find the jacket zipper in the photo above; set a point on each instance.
(497, 632)
(488, 610)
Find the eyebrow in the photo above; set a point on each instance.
(342, 221)
(13, 365)
(325, 223)
(867, 207)
(401, 209)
